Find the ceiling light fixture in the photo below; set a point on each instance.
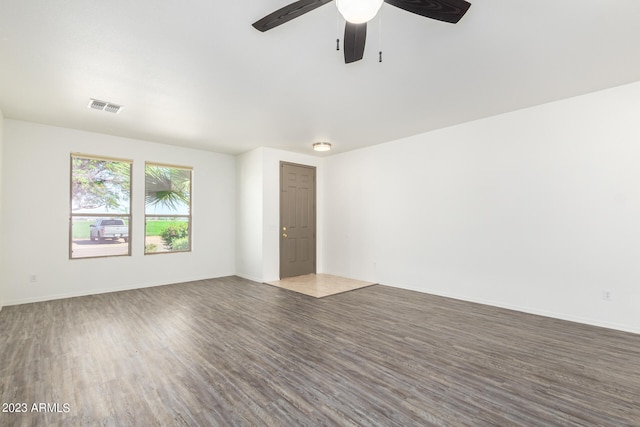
(358, 11)
(104, 106)
(321, 146)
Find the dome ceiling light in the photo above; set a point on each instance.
(358, 11)
(321, 146)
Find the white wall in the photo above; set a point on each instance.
(36, 216)
(2, 297)
(249, 231)
(258, 256)
(536, 210)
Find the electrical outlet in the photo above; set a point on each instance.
(606, 295)
(33, 278)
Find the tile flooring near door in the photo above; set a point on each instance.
(320, 285)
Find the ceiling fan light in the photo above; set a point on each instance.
(358, 11)
(321, 146)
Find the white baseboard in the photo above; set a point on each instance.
(106, 290)
(529, 310)
(253, 279)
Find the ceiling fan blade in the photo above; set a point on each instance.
(355, 36)
(287, 13)
(442, 10)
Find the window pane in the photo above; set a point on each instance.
(98, 237)
(167, 190)
(167, 209)
(167, 234)
(100, 207)
(100, 186)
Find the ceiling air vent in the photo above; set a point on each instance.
(104, 106)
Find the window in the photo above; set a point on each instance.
(167, 208)
(100, 207)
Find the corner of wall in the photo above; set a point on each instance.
(249, 201)
(257, 207)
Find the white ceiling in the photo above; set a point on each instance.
(197, 74)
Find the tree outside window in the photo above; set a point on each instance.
(100, 214)
(167, 208)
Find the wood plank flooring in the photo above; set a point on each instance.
(233, 352)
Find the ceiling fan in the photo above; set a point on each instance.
(358, 12)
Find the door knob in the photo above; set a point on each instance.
(284, 234)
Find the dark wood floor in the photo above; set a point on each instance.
(233, 352)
